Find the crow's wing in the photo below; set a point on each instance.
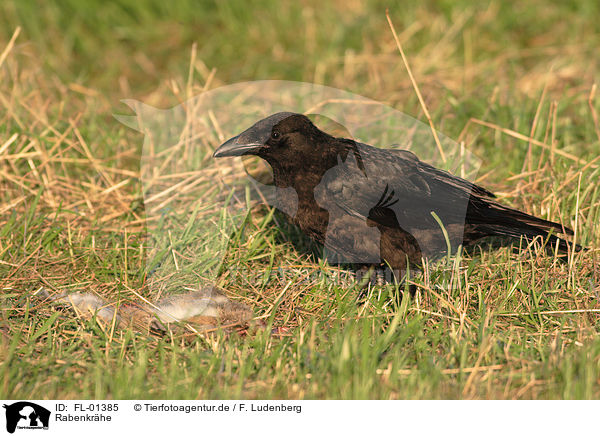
(372, 181)
(394, 189)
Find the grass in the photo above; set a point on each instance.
(515, 82)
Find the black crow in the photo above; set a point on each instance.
(373, 206)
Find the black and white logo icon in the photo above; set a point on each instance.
(26, 415)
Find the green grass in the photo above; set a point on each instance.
(490, 323)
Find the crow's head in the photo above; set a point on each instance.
(282, 138)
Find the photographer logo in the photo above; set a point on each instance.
(26, 415)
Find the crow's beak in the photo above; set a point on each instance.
(235, 147)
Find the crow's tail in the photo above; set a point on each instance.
(494, 219)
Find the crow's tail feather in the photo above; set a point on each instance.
(530, 233)
(494, 219)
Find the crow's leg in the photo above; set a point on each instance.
(370, 276)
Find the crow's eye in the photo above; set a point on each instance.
(275, 135)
